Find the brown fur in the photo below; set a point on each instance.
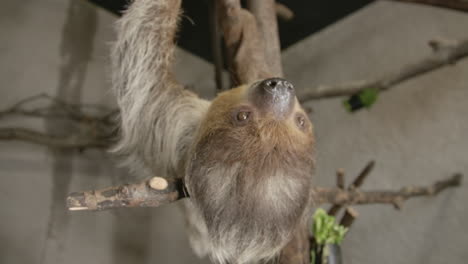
(266, 196)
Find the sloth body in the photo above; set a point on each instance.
(246, 157)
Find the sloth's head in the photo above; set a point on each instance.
(249, 174)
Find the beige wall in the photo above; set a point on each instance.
(416, 132)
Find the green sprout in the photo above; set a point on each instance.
(364, 98)
(326, 230)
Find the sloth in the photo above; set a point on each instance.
(246, 157)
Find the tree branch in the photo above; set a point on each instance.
(445, 53)
(265, 14)
(93, 130)
(216, 45)
(396, 198)
(154, 192)
(144, 195)
(244, 46)
(66, 142)
(460, 5)
(283, 12)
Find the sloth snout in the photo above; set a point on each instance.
(274, 95)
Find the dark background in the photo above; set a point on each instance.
(310, 17)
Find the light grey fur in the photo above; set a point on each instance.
(158, 117)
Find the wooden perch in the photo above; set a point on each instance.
(145, 194)
(446, 53)
(150, 193)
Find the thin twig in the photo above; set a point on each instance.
(58, 108)
(349, 216)
(447, 53)
(283, 12)
(358, 181)
(362, 175)
(340, 178)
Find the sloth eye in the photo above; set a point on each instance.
(242, 116)
(300, 121)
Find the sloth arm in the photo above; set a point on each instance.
(158, 116)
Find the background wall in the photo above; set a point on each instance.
(416, 133)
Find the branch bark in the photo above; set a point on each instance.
(245, 56)
(265, 14)
(143, 195)
(460, 5)
(445, 53)
(216, 45)
(354, 196)
(65, 142)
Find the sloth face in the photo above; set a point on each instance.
(249, 174)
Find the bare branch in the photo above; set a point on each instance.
(265, 14)
(340, 179)
(446, 53)
(362, 175)
(246, 59)
(67, 142)
(349, 216)
(396, 198)
(216, 45)
(460, 5)
(57, 108)
(358, 181)
(142, 195)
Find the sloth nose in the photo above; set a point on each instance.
(277, 86)
(274, 95)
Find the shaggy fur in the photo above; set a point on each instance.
(249, 184)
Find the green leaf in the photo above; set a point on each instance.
(364, 98)
(326, 230)
(368, 96)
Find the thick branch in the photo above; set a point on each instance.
(461, 5)
(150, 193)
(142, 195)
(265, 14)
(245, 56)
(445, 53)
